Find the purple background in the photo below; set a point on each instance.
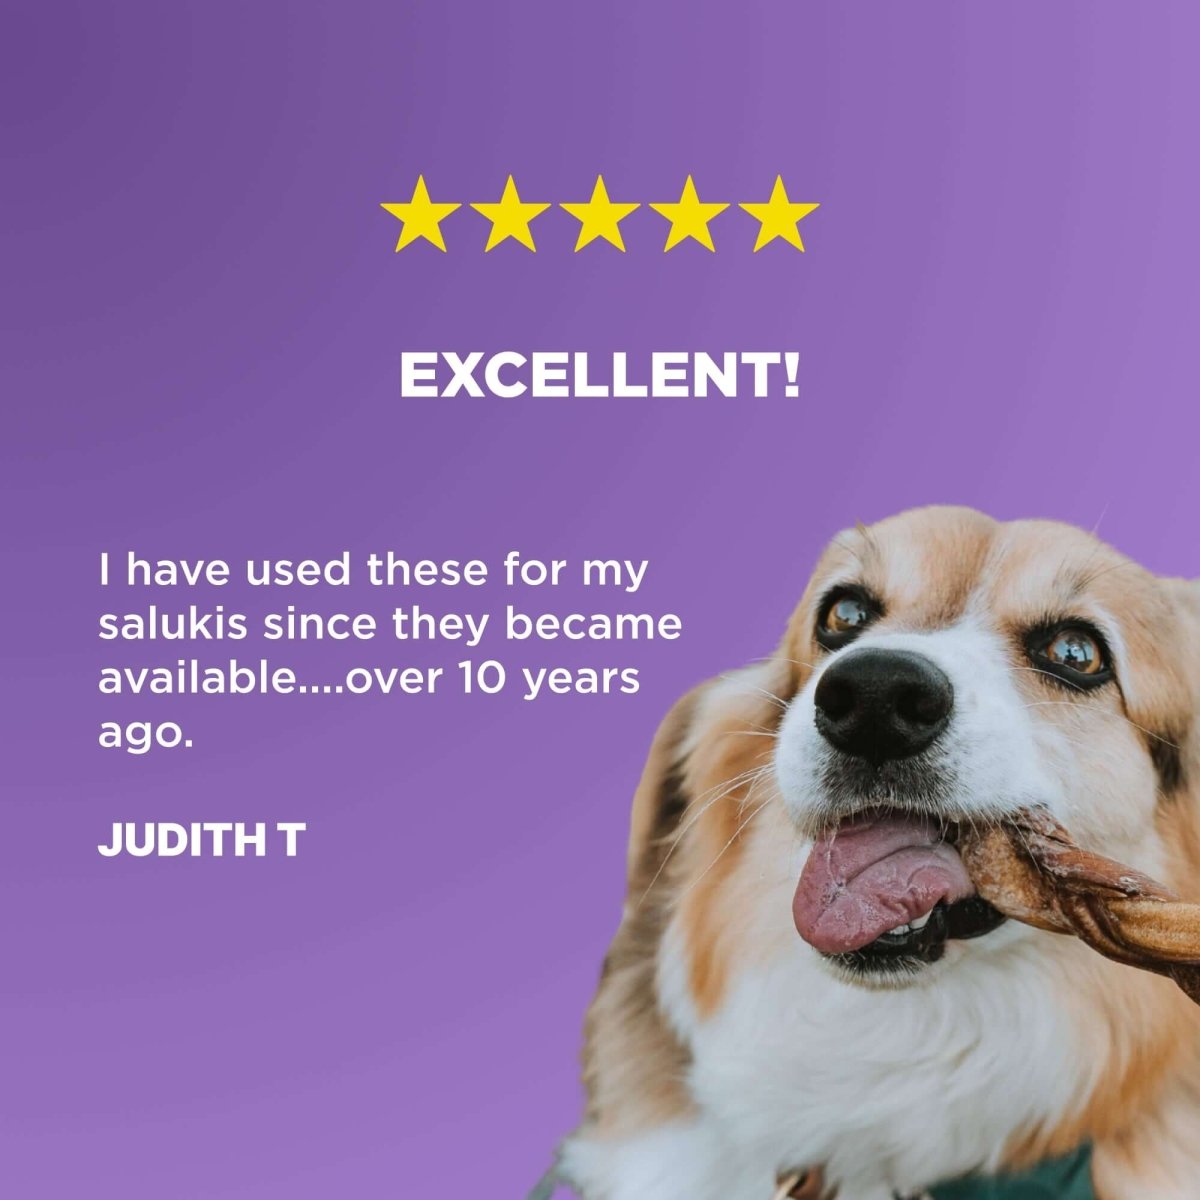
(200, 341)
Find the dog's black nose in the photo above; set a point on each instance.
(882, 704)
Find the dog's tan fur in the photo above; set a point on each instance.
(706, 818)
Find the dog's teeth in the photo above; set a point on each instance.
(899, 929)
(921, 922)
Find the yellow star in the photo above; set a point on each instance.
(600, 217)
(779, 217)
(510, 218)
(689, 218)
(421, 217)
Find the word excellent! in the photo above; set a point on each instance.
(558, 374)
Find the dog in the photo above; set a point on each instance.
(803, 981)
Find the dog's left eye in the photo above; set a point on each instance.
(843, 616)
(1078, 650)
(1075, 654)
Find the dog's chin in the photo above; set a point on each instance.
(894, 978)
(917, 956)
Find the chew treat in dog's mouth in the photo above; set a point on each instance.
(887, 886)
(1031, 870)
(885, 890)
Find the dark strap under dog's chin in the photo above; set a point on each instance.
(544, 1188)
(810, 1185)
(801, 1185)
(1067, 1178)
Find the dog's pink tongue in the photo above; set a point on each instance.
(868, 877)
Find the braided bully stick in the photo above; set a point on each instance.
(1031, 870)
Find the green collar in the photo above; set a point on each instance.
(1067, 1178)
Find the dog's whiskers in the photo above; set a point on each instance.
(798, 662)
(1108, 713)
(752, 689)
(737, 833)
(747, 778)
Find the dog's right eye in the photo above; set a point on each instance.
(844, 615)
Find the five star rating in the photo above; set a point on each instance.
(600, 217)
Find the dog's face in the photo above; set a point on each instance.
(948, 669)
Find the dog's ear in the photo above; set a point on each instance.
(659, 801)
(1186, 595)
(634, 1063)
(696, 750)
(1184, 649)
